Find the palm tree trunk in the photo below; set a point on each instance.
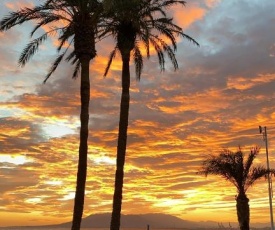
(122, 142)
(243, 212)
(83, 146)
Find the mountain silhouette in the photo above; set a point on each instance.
(135, 221)
(141, 221)
(154, 220)
(138, 221)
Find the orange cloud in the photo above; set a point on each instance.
(185, 16)
(16, 5)
(242, 83)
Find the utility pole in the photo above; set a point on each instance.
(263, 130)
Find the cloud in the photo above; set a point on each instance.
(223, 90)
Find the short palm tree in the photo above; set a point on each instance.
(136, 23)
(75, 23)
(241, 173)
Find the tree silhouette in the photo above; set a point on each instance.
(241, 173)
(74, 23)
(133, 24)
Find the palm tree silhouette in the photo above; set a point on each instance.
(132, 24)
(75, 23)
(241, 173)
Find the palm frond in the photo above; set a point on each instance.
(160, 54)
(161, 47)
(172, 2)
(16, 18)
(252, 155)
(111, 57)
(138, 62)
(170, 53)
(255, 174)
(76, 69)
(66, 33)
(26, 14)
(71, 57)
(163, 25)
(190, 39)
(31, 49)
(54, 66)
(45, 21)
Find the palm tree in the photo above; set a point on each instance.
(78, 27)
(134, 23)
(241, 173)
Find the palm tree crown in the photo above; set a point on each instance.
(234, 168)
(72, 22)
(143, 23)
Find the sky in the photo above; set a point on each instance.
(222, 91)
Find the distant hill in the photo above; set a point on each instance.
(129, 221)
(141, 221)
(138, 221)
(135, 221)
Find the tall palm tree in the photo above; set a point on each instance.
(241, 173)
(75, 23)
(136, 23)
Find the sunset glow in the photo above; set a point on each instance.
(221, 93)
